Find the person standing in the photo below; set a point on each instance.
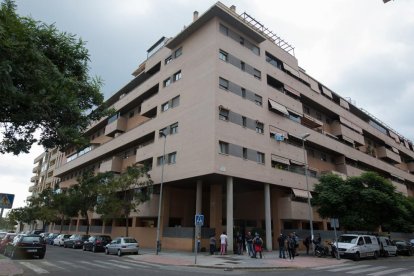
(291, 246)
(239, 241)
(281, 240)
(306, 242)
(212, 244)
(223, 243)
(258, 244)
(249, 242)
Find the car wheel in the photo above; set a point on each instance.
(93, 249)
(136, 253)
(64, 246)
(375, 255)
(119, 253)
(83, 248)
(41, 256)
(410, 252)
(74, 246)
(106, 251)
(357, 257)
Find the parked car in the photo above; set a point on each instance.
(96, 243)
(2, 234)
(357, 246)
(36, 232)
(59, 240)
(404, 247)
(6, 239)
(387, 247)
(75, 241)
(50, 238)
(26, 245)
(122, 245)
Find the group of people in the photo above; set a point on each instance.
(254, 244)
(288, 243)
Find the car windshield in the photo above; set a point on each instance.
(348, 239)
(129, 240)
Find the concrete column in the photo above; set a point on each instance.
(268, 217)
(277, 227)
(229, 215)
(199, 195)
(216, 208)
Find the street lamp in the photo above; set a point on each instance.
(158, 245)
(303, 137)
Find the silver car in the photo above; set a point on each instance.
(121, 245)
(59, 240)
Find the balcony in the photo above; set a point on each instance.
(410, 167)
(32, 188)
(36, 169)
(384, 153)
(347, 134)
(341, 175)
(310, 121)
(113, 164)
(34, 178)
(116, 125)
(289, 209)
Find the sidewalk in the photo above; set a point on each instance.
(8, 268)
(270, 260)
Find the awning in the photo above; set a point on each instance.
(278, 107)
(350, 124)
(280, 159)
(327, 92)
(343, 103)
(395, 150)
(291, 70)
(349, 140)
(310, 121)
(294, 112)
(301, 193)
(406, 144)
(297, 162)
(291, 90)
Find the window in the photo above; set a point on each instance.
(224, 29)
(258, 99)
(172, 157)
(131, 114)
(244, 121)
(323, 157)
(223, 83)
(294, 117)
(241, 40)
(178, 52)
(168, 60)
(242, 65)
(318, 116)
(177, 76)
(223, 56)
(255, 50)
(175, 101)
(257, 74)
(260, 157)
(224, 147)
(243, 90)
(167, 82)
(165, 106)
(160, 160)
(174, 128)
(306, 110)
(224, 114)
(244, 153)
(259, 127)
(163, 130)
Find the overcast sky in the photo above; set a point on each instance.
(363, 50)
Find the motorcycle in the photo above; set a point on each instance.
(334, 250)
(321, 251)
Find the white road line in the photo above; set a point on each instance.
(389, 271)
(369, 269)
(117, 265)
(347, 268)
(35, 268)
(73, 265)
(141, 265)
(407, 274)
(329, 266)
(52, 265)
(93, 264)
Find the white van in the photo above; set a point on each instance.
(387, 248)
(357, 246)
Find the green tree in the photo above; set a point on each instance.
(43, 207)
(65, 206)
(44, 85)
(22, 215)
(363, 203)
(124, 194)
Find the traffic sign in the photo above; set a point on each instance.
(6, 201)
(199, 220)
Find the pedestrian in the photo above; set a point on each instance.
(281, 240)
(239, 242)
(291, 245)
(249, 242)
(212, 244)
(296, 238)
(258, 244)
(223, 243)
(306, 243)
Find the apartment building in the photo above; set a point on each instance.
(235, 108)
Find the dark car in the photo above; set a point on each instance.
(51, 237)
(27, 245)
(6, 239)
(96, 243)
(75, 241)
(404, 247)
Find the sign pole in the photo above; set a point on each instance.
(1, 214)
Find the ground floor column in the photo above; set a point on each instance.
(216, 208)
(199, 194)
(268, 217)
(229, 215)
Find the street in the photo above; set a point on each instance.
(65, 261)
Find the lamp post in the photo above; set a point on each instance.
(303, 137)
(158, 245)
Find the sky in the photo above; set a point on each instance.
(362, 50)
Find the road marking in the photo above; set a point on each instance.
(133, 263)
(73, 265)
(389, 271)
(93, 264)
(52, 265)
(358, 271)
(329, 266)
(117, 265)
(407, 274)
(35, 268)
(347, 268)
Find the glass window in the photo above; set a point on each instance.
(175, 101)
(241, 40)
(177, 76)
(224, 147)
(244, 121)
(167, 82)
(172, 157)
(258, 99)
(223, 55)
(224, 114)
(178, 52)
(259, 127)
(260, 157)
(257, 74)
(223, 83)
(163, 130)
(245, 153)
(242, 65)
(243, 90)
(165, 106)
(160, 160)
(174, 128)
(306, 110)
(224, 29)
(168, 60)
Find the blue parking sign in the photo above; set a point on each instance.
(199, 220)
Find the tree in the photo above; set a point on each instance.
(84, 195)
(44, 85)
(363, 203)
(124, 194)
(43, 207)
(22, 215)
(65, 206)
